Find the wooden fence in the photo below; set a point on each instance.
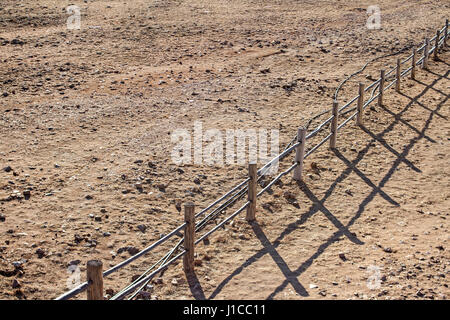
(94, 278)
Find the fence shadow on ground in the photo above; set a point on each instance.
(319, 204)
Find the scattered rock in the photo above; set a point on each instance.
(74, 262)
(130, 249)
(243, 236)
(109, 292)
(142, 228)
(198, 262)
(40, 253)
(27, 194)
(342, 256)
(7, 169)
(16, 284)
(18, 264)
(291, 198)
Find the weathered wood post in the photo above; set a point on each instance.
(398, 71)
(413, 70)
(252, 183)
(94, 276)
(380, 95)
(189, 235)
(334, 125)
(436, 45)
(359, 115)
(425, 54)
(300, 154)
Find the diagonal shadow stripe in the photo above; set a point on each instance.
(406, 123)
(282, 265)
(384, 143)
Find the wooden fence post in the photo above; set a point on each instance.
(189, 235)
(94, 276)
(380, 95)
(251, 208)
(425, 54)
(334, 125)
(413, 70)
(398, 71)
(359, 115)
(300, 154)
(436, 46)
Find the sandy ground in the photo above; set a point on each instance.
(86, 115)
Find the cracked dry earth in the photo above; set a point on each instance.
(85, 122)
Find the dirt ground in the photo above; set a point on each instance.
(86, 118)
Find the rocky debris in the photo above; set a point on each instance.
(145, 295)
(313, 286)
(198, 262)
(142, 228)
(40, 253)
(27, 194)
(16, 284)
(130, 249)
(74, 262)
(19, 264)
(2, 218)
(242, 236)
(323, 293)
(139, 187)
(17, 41)
(267, 206)
(109, 292)
(291, 198)
(342, 256)
(289, 87)
(7, 169)
(78, 238)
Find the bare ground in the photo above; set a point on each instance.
(85, 115)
